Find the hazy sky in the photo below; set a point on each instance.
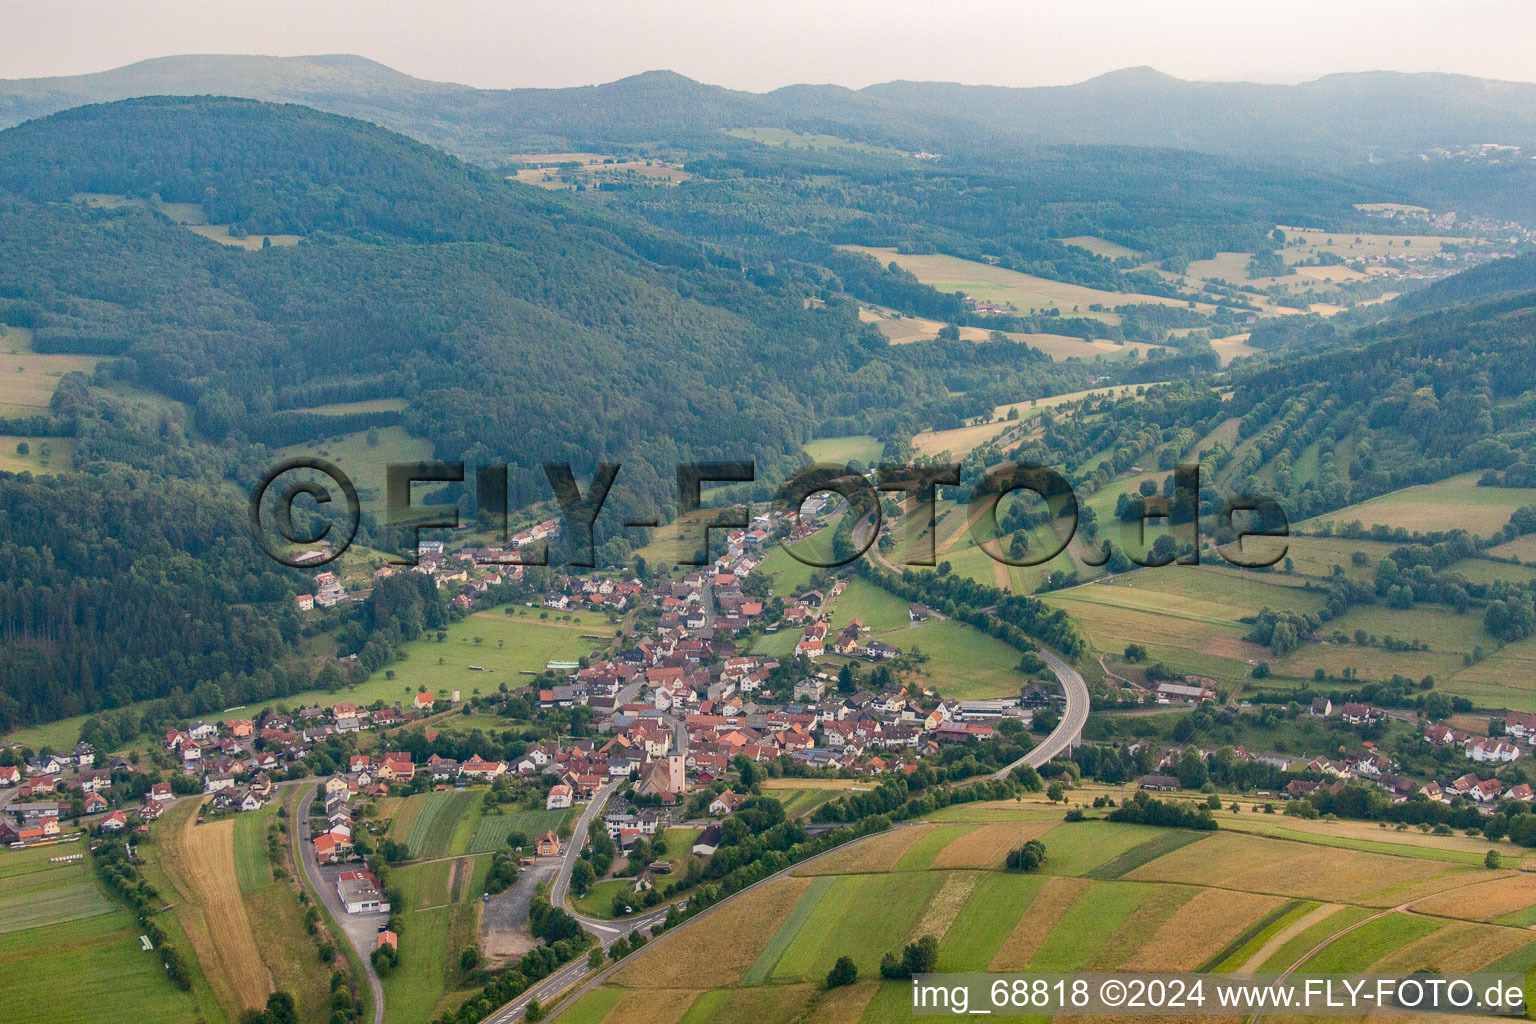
(761, 45)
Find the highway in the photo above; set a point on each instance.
(1070, 729)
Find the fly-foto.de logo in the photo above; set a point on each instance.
(1181, 516)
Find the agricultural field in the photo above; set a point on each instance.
(1110, 897)
(199, 863)
(1022, 292)
(440, 913)
(29, 378)
(1233, 347)
(348, 408)
(1455, 503)
(58, 975)
(788, 139)
(839, 451)
(800, 800)
(491, 833)
(36, 892)
(365, 464)
(963, 662)
(436, 820)
(43, 454)
(1100, 246)
(901, 329)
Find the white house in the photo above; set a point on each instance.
(559, 797)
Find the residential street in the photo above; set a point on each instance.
(361, 929)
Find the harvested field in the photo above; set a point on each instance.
(1144, 922)
(1199, 929)
(1252, 864)
(1146, 853)
(749, 1005)
(692, 957)
(919, 856)
(875, 854)
(946, 904)
(205, 860)
(986, 921)
(846, 1004)
(1089, 926)
(987, 846)
(1457, 947)
(1483, 901)
(863, 917)
(1055, 898)
(652, 1006)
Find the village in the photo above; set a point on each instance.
(670, 711)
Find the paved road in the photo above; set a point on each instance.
(1067, 733)
(568, 976)
(327, 891)
(1070, 729)
(607, 932)
(562, 882)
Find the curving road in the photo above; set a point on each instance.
(607, 932)
(1069, 730)
(332, 900)
(1067, 734)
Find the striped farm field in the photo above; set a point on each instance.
(919, 856)
(1145, 853)
(858, 916)
(987, 846)
(877, 853)
(1075, 848)
(996, 905)
(1203, 927)
(692, 957)
(1088, 926)
(200, 862)
(761, 957)
(1484, 901)
(75, 898)
(651, 1006)
(1054, 898)
(800, 802)
(1371, 942)
(432, 832)
(492, 832)
(1303, 870)
(1323, 927)
(1458, 946)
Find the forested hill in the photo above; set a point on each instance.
(1510, 275)
(513, 322)
(1407, 401)
(1377, 127)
